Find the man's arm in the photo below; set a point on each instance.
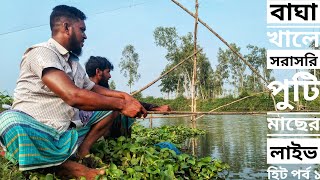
(59, 82)
(148, 106)
(153, 107)
(107, 92)
(113, 93)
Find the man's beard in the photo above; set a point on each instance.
(75, 46)
(104, 83)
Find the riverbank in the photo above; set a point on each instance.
(259, 103)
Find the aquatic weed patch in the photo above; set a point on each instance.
(5, 99)
(138, 158)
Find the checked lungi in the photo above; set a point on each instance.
(35, 145)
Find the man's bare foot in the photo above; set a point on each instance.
(75, 170)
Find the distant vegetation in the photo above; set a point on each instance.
(261, 102)
(211, 82)
(5, 99)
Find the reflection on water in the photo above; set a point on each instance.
(239, 140)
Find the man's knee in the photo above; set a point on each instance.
(108, 120)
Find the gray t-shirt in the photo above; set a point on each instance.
(33, 97)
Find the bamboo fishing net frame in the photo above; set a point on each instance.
(193, 109)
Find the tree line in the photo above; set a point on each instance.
(230, 75)
(211, 83)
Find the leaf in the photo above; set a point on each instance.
(117, 172)
(191, 161)
(200, 164)
(134, 161)
(157, 171)
(217, 164)
(151, 150)
(169, 167)
(113, 166)
(121, 138)
(128, 155)
(104, 178)
(148, 170)
(49, 177)
(113, 143)
(98, 177)
(130, 170)
(184, 165)
(206, 159)
(138, 168)
(183, 157)
(133, 149)
(141, 160)
(213, 168)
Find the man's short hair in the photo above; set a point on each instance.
(69, 12)
(95, 62)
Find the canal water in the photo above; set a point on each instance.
(239, 140)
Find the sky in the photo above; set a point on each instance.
(113, 24)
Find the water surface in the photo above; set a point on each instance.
(239, 140)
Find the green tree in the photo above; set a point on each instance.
(257, 57)
(252, 83)
(221, 74)
(169, 83)
(230, 68)
(129, 65)
(112, 85)
(237, 69)
(178, 48)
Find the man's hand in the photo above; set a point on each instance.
(133, 108)
(161, 108)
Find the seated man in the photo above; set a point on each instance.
(98, 69)
(45, 127)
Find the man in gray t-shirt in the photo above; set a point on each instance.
(51, 89)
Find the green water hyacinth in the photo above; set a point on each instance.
(137, 158)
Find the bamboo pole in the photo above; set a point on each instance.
(194, 75)
(150, 121)
(164, 74)
(166, 116)
(207, 113)
(216, 113)
(274, 102)
(232, 103)
(193, 146)
(224, 41)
